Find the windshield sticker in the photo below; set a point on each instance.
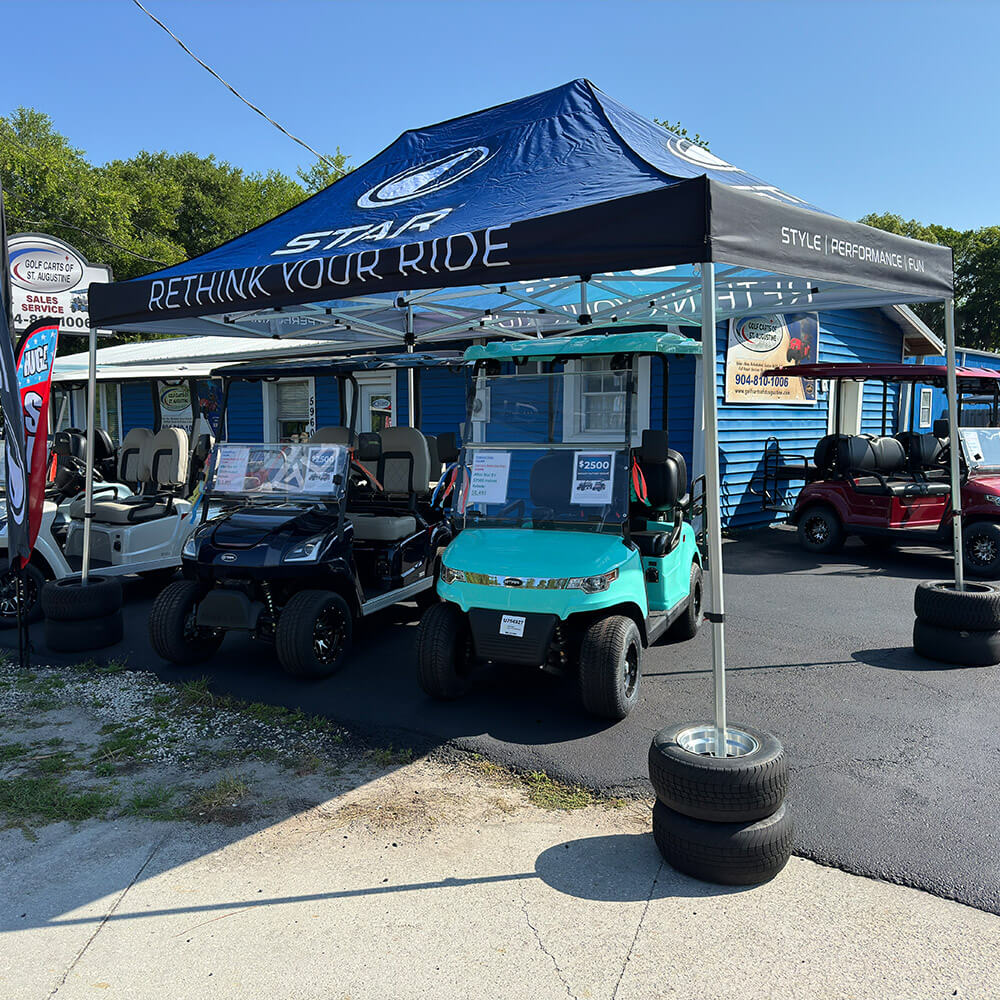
(321, 475)
(592, 481)
(490, 472)
(974, 445)
(231, 471)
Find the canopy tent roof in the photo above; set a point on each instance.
(584, 345)
(338, 366)
(889, 372)
(556, 211)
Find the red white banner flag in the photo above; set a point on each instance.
(35, 362)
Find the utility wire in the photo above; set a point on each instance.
(94, 236)
(233, 90)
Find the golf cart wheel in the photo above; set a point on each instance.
(445, 659)
(724, 853)
(686, 627)
(611, 667)
(173, 631)
(63, 636)
(747, 784)
(975, 609)
(68, 600)
(314, 634)
(34, 583)
(820, 530)
(956, 648)
(981, 545)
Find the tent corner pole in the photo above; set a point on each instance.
(713, 512)
(89, 482)
(956, 483)
(411, 388)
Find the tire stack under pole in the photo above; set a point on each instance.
(81, 616)
(720, 819)
(957, 627)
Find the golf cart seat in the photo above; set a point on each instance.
(924, 453)
(373, 528)
(664, 473)
(164, 457)
(878, 465)
(405, 465)
(129, 471)
(332, 435)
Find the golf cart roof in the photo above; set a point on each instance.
(889, 372)
(640, 342)
(338, 365)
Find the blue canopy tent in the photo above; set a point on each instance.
(559, 211)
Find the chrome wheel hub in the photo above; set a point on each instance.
(700, 740)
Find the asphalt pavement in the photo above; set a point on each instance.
(894, 758)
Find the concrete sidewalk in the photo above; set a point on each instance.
(434, 882)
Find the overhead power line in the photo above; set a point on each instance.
(233, 90)
(52, 221)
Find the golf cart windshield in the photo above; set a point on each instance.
(981, 446)
(283, 472)
(548, 451)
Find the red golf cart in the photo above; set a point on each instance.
(895, 489)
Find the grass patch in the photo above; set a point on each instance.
(195, 694)
(11, 751)
(153, 803)
(227, 793)
(57, 763)
(123, 743)
(113, 666)
(46, 799)
(547, 793)
(388, 757)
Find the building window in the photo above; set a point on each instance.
(376, 401)
(595, 401)
(926, 396)
(294, 410)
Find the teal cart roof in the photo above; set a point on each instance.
(646, 342)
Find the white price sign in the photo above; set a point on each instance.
(592, 478)
(490, 472)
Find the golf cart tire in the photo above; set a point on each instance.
(686, 627)
(956, 648)
(724, 853)
(718, 789)
(168, 619)
(444, 658)
(294, 640)
(820, 530)
(975, 609)
(93, 633)
(68, 600)
(988, 532)
(603, 652)
(35, 581)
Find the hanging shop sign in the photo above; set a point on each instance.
(50, 279)
(757, 343)
(175, 405)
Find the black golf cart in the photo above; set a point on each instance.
(311, 536)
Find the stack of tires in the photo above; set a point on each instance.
(720, 819)
(80, 617)
(957, 627)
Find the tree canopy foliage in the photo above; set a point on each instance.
(977, 277)
(678, 129)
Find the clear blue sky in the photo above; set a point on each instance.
(854, 106)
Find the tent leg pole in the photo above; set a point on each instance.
(956, 483)
(713, 512)
(91, 422)
(411, 381)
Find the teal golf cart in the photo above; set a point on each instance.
(575, 548)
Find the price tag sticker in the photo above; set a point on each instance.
(592, 479)
(512, 625)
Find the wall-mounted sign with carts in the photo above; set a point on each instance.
(757, 343)
(49, 278)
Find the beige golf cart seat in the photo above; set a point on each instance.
(332, 435)
(405, 466)
(164, 460)
(132, 468)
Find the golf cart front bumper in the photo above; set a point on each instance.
(511, 638)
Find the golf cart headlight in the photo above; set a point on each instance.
(307, 551)
(449, 575)
(190, 549)
(592, 584)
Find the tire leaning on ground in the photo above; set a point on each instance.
(445, 661)
(314, 634)
(172, 629)
(34, 584)
(724, 853)
(68, 600)
(92, 633)
(977, 608)
(820, 530)
(686, 627)
(962, 648)
(981, 547)
(610, 667)
(731, 789)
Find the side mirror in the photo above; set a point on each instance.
(369, 447)
(447, 447)
(654, 448)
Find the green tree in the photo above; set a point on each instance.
(977, 277)
(324, 172)
(678, 129)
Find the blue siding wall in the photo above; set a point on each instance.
(442, 398)
(743, 429)
(680, 404)
(327, 402)
(137, 406)
(245, 412)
